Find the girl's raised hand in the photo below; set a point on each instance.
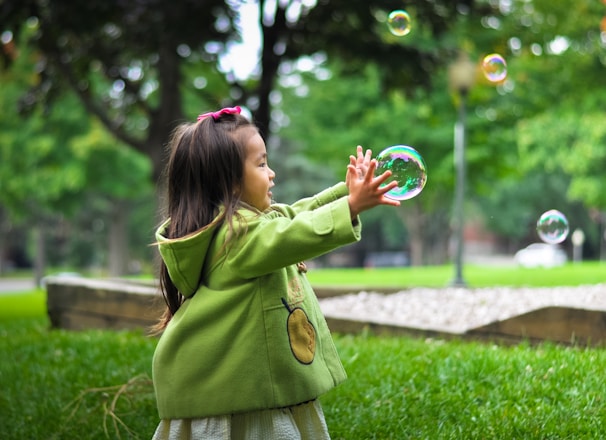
(365, 190)
(362, 161)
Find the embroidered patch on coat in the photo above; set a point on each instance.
(296, 291)
(301, 334)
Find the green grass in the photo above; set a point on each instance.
(402, 388)
(43, 373)
(29, 304)
(475, 275)
(58, 384)
(64, 385)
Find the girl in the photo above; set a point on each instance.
(245, 349)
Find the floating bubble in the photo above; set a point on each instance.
(399, 23)
(552, 227)
(494, 67)
(407, 168)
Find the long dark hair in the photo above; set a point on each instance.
(203, 173)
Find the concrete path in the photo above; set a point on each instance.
(12, 285)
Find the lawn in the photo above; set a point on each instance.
(94, 384)
(23, 304)
(46, 373)
(570, 274)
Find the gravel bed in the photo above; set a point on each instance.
(457, 310)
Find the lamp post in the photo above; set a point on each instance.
(461, 78)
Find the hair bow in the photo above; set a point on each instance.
(224, 111)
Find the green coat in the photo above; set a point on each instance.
(250, 334)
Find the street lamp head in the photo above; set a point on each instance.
(462, 74)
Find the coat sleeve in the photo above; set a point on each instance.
(274, 240)
(309, 203)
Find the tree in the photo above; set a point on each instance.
(328, 121)
(551, 105)
(555, 60)
(56, 159)
(124, 60)
(140, 67)
(133, 64)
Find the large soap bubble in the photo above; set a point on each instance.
(407, 168)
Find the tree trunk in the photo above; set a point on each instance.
(270, 62)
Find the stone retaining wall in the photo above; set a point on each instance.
(78, 303)
(81, 303)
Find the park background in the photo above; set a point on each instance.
(91, 91)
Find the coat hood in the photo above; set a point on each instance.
(185, 257)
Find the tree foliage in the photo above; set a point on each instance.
(59, 168)
(142, 67)
(568, 144)
(547, 110)
(52, 158)
(125, 60)
(329, 121)
(551, 106)
(128, 61)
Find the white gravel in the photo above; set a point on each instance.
(457, 310)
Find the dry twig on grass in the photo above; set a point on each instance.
(110, 397)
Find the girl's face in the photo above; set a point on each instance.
(258, 178)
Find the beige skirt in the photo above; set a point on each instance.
(300, 422)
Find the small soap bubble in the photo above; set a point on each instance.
(399, 23)
(407, 168)
(552, 227)
(494, 67)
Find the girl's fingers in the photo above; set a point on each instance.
(352, 173)
(372, 166)
(361, 161)
(359, 154)
(391, 202)
(388, 187)
(383, 177)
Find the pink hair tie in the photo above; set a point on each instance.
(224, 111)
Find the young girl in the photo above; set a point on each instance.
(245, 350)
